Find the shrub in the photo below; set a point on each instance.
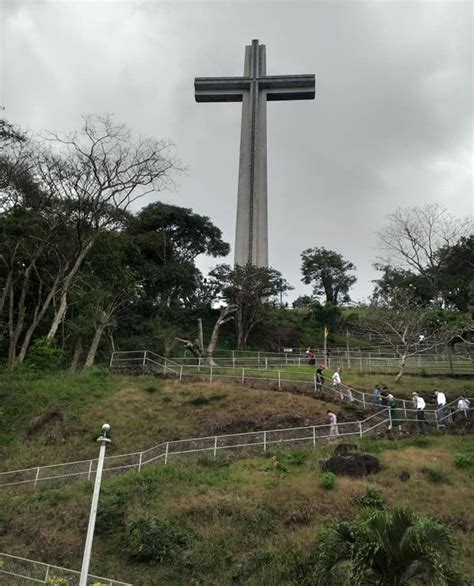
(328, 480)
(154, 539)
(464, 461)
(151, 389)
(435, 475)
(44, 355)
(203, 400)
(57, 582)
(373, 499)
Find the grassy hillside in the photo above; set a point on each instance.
(244, 521)
(237, 520)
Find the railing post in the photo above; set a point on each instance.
(360, 429)
(266, 363)
(166, 452)
(111, 359)
(215, 447)
(389, 418)
(199, 364)
(437, 418)
(210, 374)
(36, 477)
(363, 400)
(181, 373)
(405, 408)
(233, 362)
(264, 441)
(46, 576)
(140, 462)
(314, 380)
(144, 360)
(279, 379)
(258, 358)
(90, 471)
(243, 375)
(314, 436)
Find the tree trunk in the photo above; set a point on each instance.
(95, 344)
(402, 368)
(450, 358)
(76, 356)
(61, 311)
(200, 335)
(36, 321)
(225, 316)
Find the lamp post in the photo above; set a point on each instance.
(103, 441)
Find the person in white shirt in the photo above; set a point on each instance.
(336, 383)
(420, 410)
(464, 406)
(333, 428)
(441, 403)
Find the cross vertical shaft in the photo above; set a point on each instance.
(251, 233)
(253, 90)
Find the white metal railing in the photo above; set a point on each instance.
(358, 360)
(280, 379)
(15, 570)
(58, 474)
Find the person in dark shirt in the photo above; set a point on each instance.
(320, 377)
(384, 400)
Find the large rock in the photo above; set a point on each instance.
(352, 464)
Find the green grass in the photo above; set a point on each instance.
(231, 520)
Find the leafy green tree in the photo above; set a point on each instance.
(247, 288)
(383, 548)
(329, 274)
(168, 239)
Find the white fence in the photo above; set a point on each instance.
(16, 571)
(248, 442)
(281, 379)
(374, 360)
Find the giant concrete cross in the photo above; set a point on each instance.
(253, 90)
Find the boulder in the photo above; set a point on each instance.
(353, 464)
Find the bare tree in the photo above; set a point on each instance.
(197, 347)
(420, 238)
(96, 174)
(407, 328)
(74, 188)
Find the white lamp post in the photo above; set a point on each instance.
(104, 441)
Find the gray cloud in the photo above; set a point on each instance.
(390, 126)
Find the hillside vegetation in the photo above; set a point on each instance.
(251, 520)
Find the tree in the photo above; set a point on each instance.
(383, 548)
(247, 288)
(95, 175)
(395, 279)
(329, 274)
(420, 239)
(401, 323)
(168, 240)
(197, 347)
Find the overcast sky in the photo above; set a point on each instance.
(391, 124)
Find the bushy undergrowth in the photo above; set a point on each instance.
(372, 499)
(464, 461)
(151, 538)
(328, 480)
(435, 475)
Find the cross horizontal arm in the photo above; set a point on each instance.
(288, 87)
(220, 89)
